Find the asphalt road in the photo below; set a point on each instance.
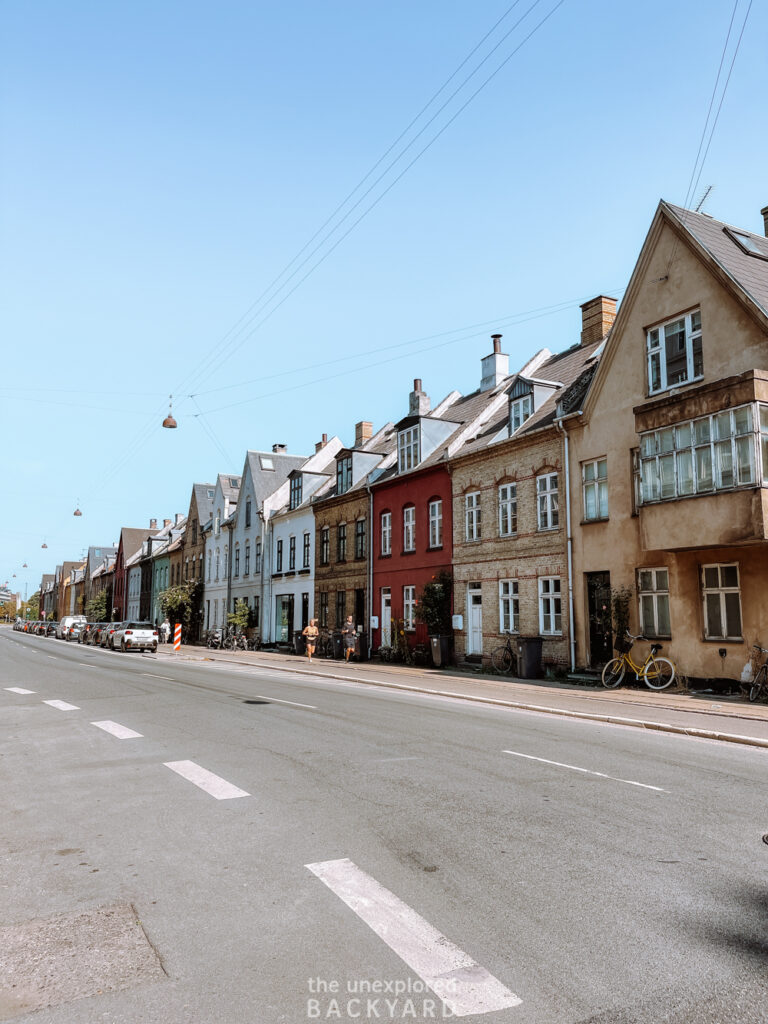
(526, 868)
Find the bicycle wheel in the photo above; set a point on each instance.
(502, 659)
(613, 673)
(756, 688)
(659, 674)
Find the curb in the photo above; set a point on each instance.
(635, 723)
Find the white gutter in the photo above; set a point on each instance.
(569, 537)
(369, 631)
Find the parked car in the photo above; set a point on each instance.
(108, 633)
(50, 628)
(85, 633)
(65, 623)
(134, 636)
(94, 636)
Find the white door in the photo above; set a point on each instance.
(474, 619)
(386, 617)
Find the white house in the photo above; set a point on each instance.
(289, 576)
(217, 536)
(263, 488)
(133, 588)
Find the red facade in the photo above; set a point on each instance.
(402, 567)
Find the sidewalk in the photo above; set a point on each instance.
(730, 719)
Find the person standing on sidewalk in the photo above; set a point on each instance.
(165, 630)
(310, 632)
(349, 633)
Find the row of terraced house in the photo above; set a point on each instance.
(634, 459)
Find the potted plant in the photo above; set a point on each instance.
(434, 608)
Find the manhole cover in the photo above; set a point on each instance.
(54, 960)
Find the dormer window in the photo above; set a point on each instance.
(296, 488)
(408, 449)
(343, 474)
(519, 411)
(674, 352)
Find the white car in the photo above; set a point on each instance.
(135, 636)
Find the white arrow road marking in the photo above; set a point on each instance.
(212, 784)
(121, 731)
(586, 771)
(18, 689)
(293, 703)
(463, 985)
(61, 705)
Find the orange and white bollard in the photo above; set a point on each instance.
(177, 637)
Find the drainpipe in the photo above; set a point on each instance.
(230, 559)
(569, 535)
(369, 631)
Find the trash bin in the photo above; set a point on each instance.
(361, 647)
(529, 662)
(299, 643)
(441, 650)
(338, 645)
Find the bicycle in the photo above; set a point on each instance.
(504, 658)
(760, 682)
(656, 673)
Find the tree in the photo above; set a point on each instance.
(96, 609)
(177, 601)
(33, 606)
(240, 618)
(433, 607)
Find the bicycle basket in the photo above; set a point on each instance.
(623, 645)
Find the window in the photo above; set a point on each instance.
(194, 531)
(296, 487)
(217, 524)
(550, 617)
(507, 510)
(436, 523)
(360, 538)
(306, 552)
(218, 557)
(519, 411)
(209, 566)
(409, 607)
(324, 609)
(341, 542)
(248, 513)
(226, 563)
(409, 528)
(341, 608)
(343, 474)
(257, 556)
(653, 597)
(546, 494)
(764, 441)
(279, 557)
(722, 602)
(595, 486)
(386, 533)
(247, 559)
(255, 612)
(674, 352)
(266, 462)
(698, 456)
(472, 513)
(237, 561)
(509, 607)
(186, 568)
(325, 545)
(408, 449)
(292, 554)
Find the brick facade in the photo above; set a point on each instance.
(348, 575)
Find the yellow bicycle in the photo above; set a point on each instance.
(657, 673)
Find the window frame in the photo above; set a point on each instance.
(553, 597)
(547, 502)
(359, 538)
(325, 545)
(341, 542)
(291, 554)
(408, 448)
(656, 349)
(409, 528)
(409, 608)
(385, 533)
(509, 605)
(509, 503)
(435, 518)
(236, 566)
(517, 411)
(323, 609)
(473, 517)
(722, 590)
(306, 550)
(247, 561)
(247, 513)
(593, 486)
(279, 555)
(343, 474)
(654, 595)
(297, 489)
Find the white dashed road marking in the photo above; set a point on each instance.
(586, 771)
(151, 675)
(212, 784)
(121, 731)
(293, 703)
(462, 984)
(61, 705)
(18, 689)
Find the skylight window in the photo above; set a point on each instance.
(266, 462)
(746, 242)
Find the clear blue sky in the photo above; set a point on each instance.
(162, 162)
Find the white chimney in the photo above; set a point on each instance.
(495, 367)
(179, 517)
(418, 400)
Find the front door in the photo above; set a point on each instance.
(599, 611)
(474, 619)
(283, 618)
(304, 611)
(386, 617)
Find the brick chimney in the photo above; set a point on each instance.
(764, 212)
(597, 318)
(495, 367)
(153, 524)
(166, 522)
(363, 433)
(418, 400)
(319, 445)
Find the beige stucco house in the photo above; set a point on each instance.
(669, 456)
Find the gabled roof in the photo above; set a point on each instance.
(132, 539)
(383, 443)
(749, 272)
(266, 481)
(230, 486)
(203, 501)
